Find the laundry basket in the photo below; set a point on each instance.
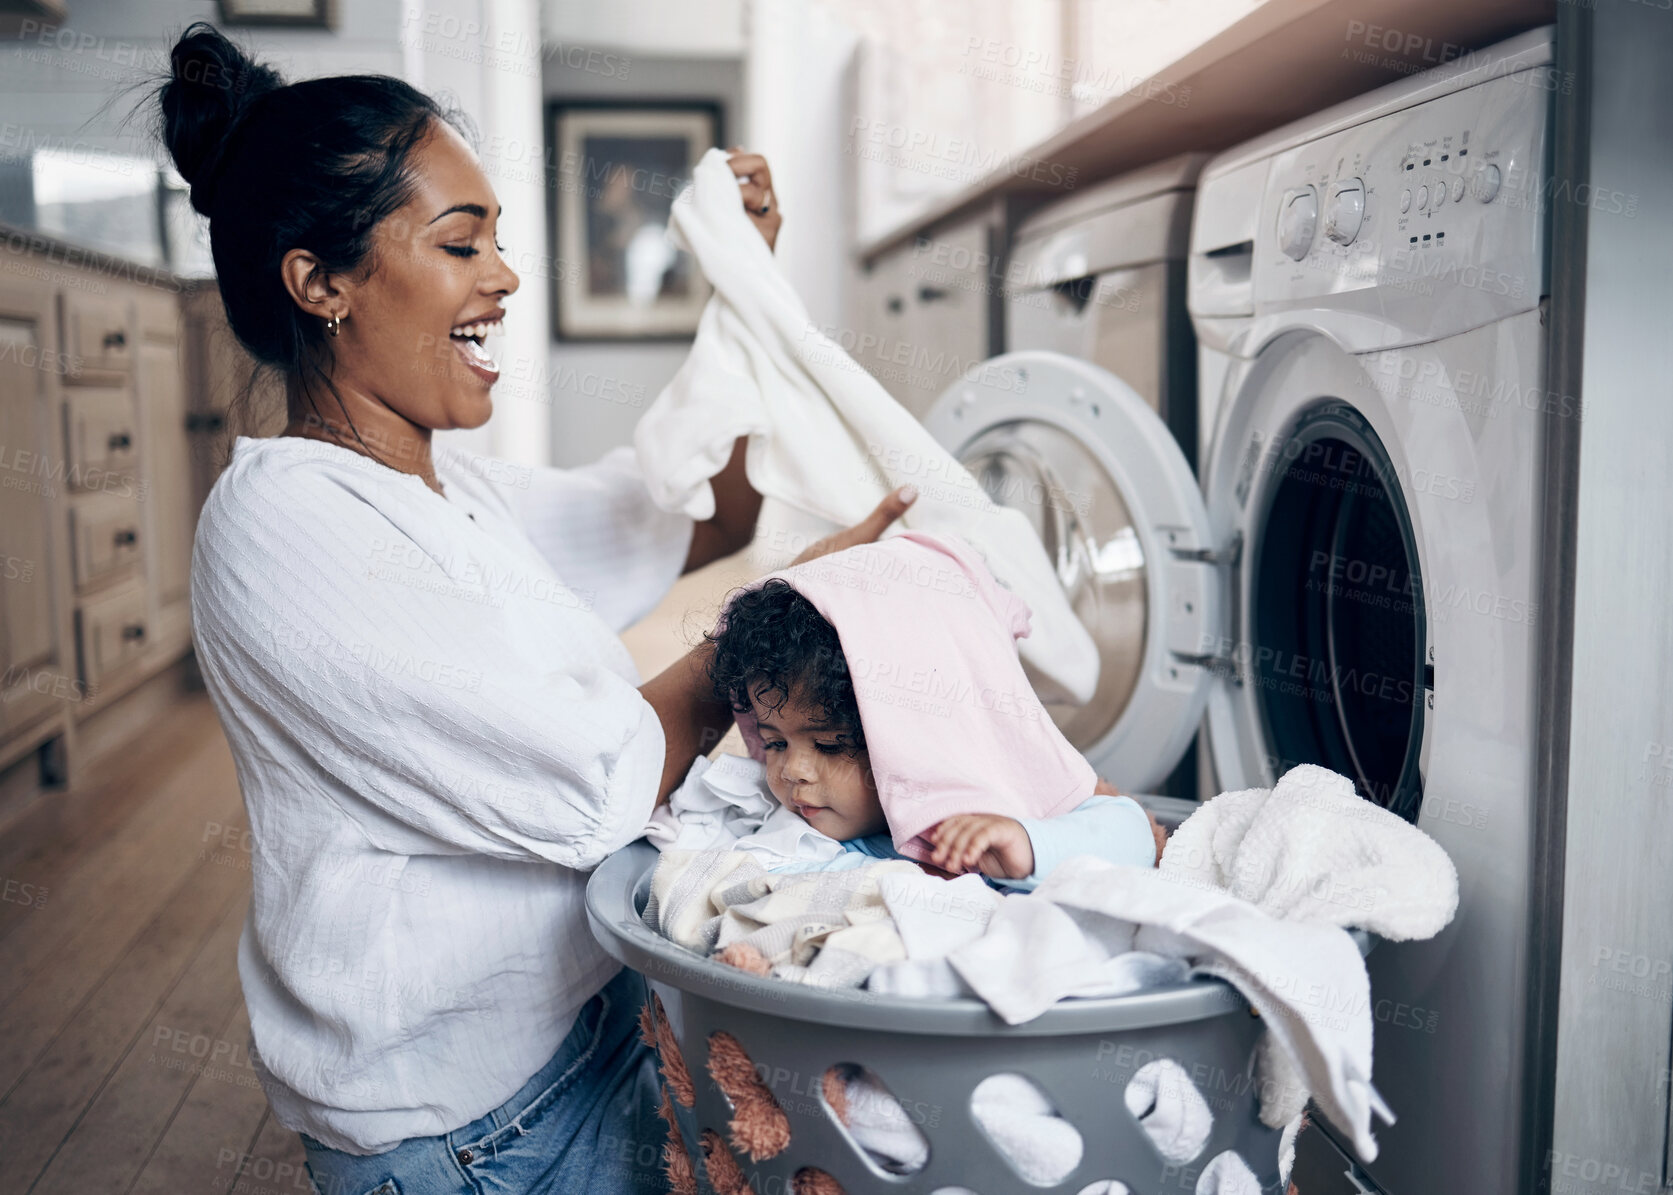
(932, 1054)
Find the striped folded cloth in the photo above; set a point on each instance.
(822, 928)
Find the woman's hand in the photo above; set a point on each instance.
(866, 530)
(995, 845)
(757, 192)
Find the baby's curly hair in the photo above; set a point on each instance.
(773, 643)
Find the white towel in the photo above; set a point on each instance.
(1307, 981)
(1313, 850)
(825, 437)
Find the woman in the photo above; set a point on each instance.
(413, 655)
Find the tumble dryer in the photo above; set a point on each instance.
(1355, 583)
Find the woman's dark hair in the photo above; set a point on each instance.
(314, 165)
(774, 644)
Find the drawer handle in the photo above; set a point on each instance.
(931, 294)
(116, 339)
(126, 537)
(213, 421)
(120, 442)
(133, 632)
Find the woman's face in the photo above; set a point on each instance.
(412, 337)
(811, 771)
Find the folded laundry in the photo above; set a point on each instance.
(824, 928)
(824, 436)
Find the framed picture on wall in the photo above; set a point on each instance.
(315, 14)
(618, 171)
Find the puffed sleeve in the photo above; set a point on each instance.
(436, 725)
(599, 530)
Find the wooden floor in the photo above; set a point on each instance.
(124, 1060)
(124, 1065)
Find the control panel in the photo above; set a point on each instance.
(1434, 213)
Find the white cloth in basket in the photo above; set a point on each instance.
(725, 804)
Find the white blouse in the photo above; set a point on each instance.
(437, 733)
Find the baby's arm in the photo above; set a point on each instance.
(1019, 853)
(1116, 829)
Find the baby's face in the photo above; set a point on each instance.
(812, 772)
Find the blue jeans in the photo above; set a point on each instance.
(587, 1121)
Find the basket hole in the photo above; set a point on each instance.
(1105, 1186)
(1170, 1109)
(1026, 1129)
(882, 1130)
(1228, 1174)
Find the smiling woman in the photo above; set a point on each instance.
(415, 659)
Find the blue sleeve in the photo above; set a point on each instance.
(1112, 828)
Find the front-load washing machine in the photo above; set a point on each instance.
(1355, 582)
(1100, 276)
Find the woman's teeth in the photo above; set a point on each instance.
(477, 331)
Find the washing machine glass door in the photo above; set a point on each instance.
(1098, 474)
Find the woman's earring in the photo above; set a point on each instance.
(334, 325)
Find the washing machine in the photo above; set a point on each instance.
(1355, 581)
(1100, 277)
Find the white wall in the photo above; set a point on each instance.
(682, 28)
(485, 56)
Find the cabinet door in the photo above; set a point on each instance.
(167, 468)
(951, 288)
(30, 476)
(884, 344)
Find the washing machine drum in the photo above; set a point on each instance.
(1115, 503)
(1336, 609)
(1052, 477)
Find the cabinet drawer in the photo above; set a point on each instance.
(108, 534)
(96, 334)
(112, 633)
(101, 438)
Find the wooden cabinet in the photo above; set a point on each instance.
(97, 339)
(34, 669)
(98, 491)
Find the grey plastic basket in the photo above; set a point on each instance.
(932, 1054)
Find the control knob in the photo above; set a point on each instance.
(1298, 220)
(1485, 185)
(1345, 212)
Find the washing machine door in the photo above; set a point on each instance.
(1078, 451)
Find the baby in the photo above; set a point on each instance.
(780, 664)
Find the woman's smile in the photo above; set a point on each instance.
(468, 337)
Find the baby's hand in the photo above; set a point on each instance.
(989, 842)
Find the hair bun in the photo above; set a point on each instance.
(212, 83)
